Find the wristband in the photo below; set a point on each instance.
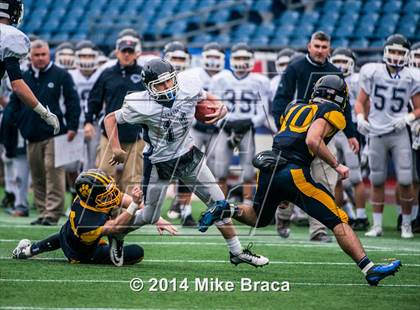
(40, 109)
(360, 117)
(132, 208)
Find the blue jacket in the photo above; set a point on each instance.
(300, 78)
(110, 88)
(53, 87)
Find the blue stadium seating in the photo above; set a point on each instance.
(365, 23)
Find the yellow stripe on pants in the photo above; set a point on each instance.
(310, 190)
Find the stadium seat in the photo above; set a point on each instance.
(327, 28)
(384, 31)
(369, 18)
(351, 6)
(262, 6)
(202, 39)
(260, 41)
(360, 43)
(266, 29)
(407, 30)
(377, 43)
(340, 42)
(349, 18)
(280, 41)
(363, 31)
(332, 6)
(372, 6)
(412, 6)
(222, 39)
(284, 30)
(344, 31)
(304, 30)
(310, 17)
(299, 42)
(60, 37)
(392, 6)
(40, 13)
(288, 18)
(68, 26)
(387, 19)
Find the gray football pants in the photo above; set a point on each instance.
(201, 181)
(398, 144)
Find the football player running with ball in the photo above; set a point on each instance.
(166, 111)
(285, 173)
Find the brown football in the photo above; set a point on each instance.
(202, 110)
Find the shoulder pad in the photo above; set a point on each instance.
(16, 43)
(190, 84)
(333, 114)
(369, 68)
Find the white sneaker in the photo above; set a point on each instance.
(116, 251)
(406, 232)
(375, 231)
(23, 249)
(247, 257)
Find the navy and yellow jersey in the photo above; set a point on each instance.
(80, 235)
(295, 125)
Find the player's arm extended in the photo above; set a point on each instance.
(111, 128)
(125, 219)
(25, 94)
(315, 142)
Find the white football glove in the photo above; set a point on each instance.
(363, 125)
(415, 128)
(403, 121)
(50, 118)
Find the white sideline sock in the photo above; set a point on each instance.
(377, 219)
(361, 213)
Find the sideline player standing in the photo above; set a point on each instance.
(382, 114)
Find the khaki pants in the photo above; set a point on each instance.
(133, 167)
(48, 182)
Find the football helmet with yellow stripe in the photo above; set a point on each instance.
(98, 190)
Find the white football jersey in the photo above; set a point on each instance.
(166, 130)
(353, 84)
(13, 43)
(84, 85)
(245, 98)
(202, 75)
(274, 84)
(389, 97)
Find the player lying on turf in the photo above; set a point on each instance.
(80, 237)
(285, 174)
(166, 111)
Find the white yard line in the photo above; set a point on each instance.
(192, 281)
(215, 261)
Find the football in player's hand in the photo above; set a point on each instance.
(203, 109)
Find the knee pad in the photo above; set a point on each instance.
(377, 168)
(404, 167)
